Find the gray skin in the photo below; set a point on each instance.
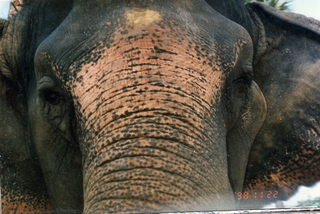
(24, 187)
(19, 167)
(286, 151)
(279, 148)
(129, 106)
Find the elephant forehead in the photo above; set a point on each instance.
(155, 58)
(210, 40)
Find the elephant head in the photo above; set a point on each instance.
(132, 106)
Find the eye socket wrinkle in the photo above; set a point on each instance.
(245, 79)
(51, 96)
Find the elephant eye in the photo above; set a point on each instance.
(243, 83)
(51, 97)
(245, 79)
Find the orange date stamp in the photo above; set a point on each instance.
(257, 195)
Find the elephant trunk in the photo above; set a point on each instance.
(153, 147)
(154, 161)
(153, 174)
(149, 110)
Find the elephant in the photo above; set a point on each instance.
(129, 106)
(144, 106)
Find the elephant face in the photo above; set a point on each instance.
(137, 104)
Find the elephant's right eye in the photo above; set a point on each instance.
(48, 91)
(52, 97)
(243, 82)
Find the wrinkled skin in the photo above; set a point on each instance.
(286, 152)
(59, 136)
(20, 162)
(132, 106)
(24, 186)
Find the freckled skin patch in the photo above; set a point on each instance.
(12, 202)
(294, 161)
(287, 177)
(298, 165)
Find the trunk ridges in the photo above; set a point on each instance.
(148, 105)
(154, 164)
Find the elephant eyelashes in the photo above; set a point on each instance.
(48, 92)
(51, 97)
(245, 79)
(243, 82)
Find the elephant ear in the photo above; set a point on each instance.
(286, 152)
(22, 184)
(5, 73)
(274, 23)
(10, 89)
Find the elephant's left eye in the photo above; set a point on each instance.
(51, 97)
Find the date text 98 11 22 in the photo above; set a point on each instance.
(257, 195)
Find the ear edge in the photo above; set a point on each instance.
(287, 20)
(15, 7)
